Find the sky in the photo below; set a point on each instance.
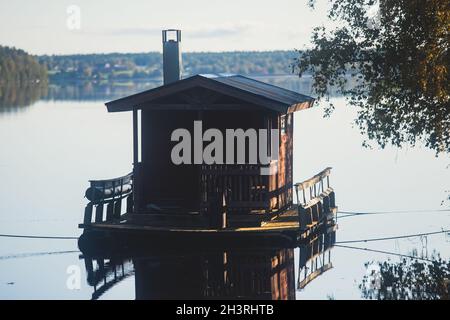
(102, 26)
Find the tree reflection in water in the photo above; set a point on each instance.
(15, 97)
(409, 279)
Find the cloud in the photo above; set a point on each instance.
(122, 31)
(200, 32)
(134, 32)
(216, 32)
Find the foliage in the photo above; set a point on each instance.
(408, 279)
(19, 67)
(120, 66)
(398, 51)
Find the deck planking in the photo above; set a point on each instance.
(286, 221)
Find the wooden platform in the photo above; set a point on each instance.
(286, 221)
(216, 227)
(283, 230)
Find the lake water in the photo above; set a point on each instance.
(53, 140)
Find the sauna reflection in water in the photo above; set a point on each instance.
(233, 273)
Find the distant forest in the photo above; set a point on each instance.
(20, 67)
(17, 66)
(123, 66)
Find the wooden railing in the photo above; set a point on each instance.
(106, 273)
(312, 187)
(315, 257)
(318, 200)
(110, 193)
(242, 185)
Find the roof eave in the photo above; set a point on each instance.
(300, 106)
(133, 101)
(136, 101)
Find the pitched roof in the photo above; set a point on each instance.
(245, 89)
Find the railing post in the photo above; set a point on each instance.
(315, 210)
(118, 208)
(130, 203)
(88, 213)
(332, 200)
(99, 213)
(326, 204)
(136, 188)
(320, 211)
(223, 209)
(89, 266)
(302, 217)
(217, 212)
(110, 211)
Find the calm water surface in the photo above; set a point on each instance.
(54, 139)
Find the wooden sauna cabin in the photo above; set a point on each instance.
(197, 197)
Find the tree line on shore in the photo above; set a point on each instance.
(18, 66)
(123, 66)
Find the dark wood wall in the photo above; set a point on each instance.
(166, 183)
(285, 166)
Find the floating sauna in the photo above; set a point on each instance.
(231, 195)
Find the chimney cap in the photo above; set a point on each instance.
(171, 35)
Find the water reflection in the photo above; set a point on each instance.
(315, 257)
(97, 91)
(14, 97)
(234, 273)
(409, 279)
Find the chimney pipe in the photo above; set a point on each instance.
(171, 55)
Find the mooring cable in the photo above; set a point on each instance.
(384, 252)
(34, 254)
(394, 237)
(361, 213)
(348, 213)
(37, 237)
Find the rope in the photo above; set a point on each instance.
(33, 254)
(348, 213)
(357, 213)
(37, 237)
(395, 237)
(385, 252)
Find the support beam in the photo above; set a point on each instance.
(136, 171)
(135, 138)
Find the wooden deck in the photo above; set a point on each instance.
(287, 227)
(282, 231)
(287, 220)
